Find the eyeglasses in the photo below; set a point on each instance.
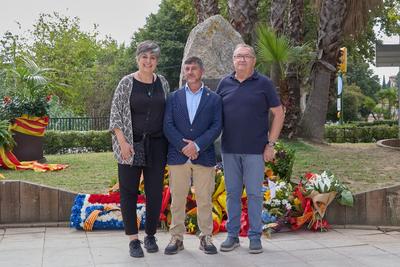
(244, 57)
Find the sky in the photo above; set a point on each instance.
(116, 18)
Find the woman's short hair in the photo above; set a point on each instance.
(148, 46)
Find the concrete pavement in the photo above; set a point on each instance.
(59, 246)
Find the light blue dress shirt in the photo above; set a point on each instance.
(192, 102)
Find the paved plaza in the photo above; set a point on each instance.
(60, 246)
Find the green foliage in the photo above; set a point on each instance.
(373, 123)
(272, 49)
(59, 42)
(170, 30)
(283, 163)
(56, 110)
(353, 100)
(345, 198)
(28, 89)
(6, 140)
(60, 142)
(354, 134)
(360, 74)
(388, 102)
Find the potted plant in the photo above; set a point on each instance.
(26, 107)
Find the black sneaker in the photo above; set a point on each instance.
(135, 249)
(229, 244)
(255, 246)
(174, 246)
(206, 245)
(150, 244)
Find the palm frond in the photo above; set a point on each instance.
(272, 49)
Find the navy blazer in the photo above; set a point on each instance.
(204, 130)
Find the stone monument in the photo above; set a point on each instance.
(214, 41)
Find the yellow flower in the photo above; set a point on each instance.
(297, 201)
(267, 195)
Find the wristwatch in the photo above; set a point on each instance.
(271, 144)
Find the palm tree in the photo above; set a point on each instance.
(337, 19)
(277, 17)
(205, 9)
(273, 50)
(243, 16)
(293, 79)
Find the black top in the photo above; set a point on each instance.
(142, 95)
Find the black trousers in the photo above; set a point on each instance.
(129, 178)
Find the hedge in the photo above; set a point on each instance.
(374, 123)
(78, 141)
(354, 134)
(99, 141)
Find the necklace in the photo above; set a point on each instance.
(150, 88)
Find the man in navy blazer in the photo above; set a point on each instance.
(192, 122)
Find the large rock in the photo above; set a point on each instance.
(214, 41)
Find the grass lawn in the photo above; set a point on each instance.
(361, 166)
(88, 172)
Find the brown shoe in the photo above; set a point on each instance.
(173, 246)
(206, 245)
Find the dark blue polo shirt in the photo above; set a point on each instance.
(245, 113)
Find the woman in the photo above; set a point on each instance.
(137, 112)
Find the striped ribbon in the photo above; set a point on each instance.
(28, 125)
(34, 126)
(90, 220)
(9, 161)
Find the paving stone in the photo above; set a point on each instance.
(324, 254)
(378, 238)
(387, 260)
(18, 257)
(357, 251)
(69, 247)
(67, 257)
(335, 263)
(389, 247)
(21, 244)
(14, 231)
(358, 232)
(289, 245)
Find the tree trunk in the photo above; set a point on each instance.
(330, 34)
(205, 9)
(293, 80)
(277, 18)
(243, 16)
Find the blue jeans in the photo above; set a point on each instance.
(248, 170)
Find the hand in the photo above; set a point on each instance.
(126, 150)
(269, 153)
(190, 150)
(194, 157)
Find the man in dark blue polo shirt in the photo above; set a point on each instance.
(247, 143)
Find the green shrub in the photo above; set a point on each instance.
(63, 142)
(384, 122)
(283, 163)
(355, 134)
